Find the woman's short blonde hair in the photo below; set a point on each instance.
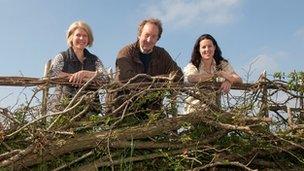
(82, 25)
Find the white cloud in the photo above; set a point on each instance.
(266, 62)
(300, 33)
(184, 12)
(260, 64)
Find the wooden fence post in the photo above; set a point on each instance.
(45, 88)
(264, 106)
(301, 108)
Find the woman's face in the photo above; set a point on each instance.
(80, 39)
(206, 49)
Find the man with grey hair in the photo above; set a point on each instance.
(144, 57)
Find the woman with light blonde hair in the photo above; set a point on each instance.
(76, 63)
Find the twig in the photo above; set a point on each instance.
(5, 112)
(290, 123)
(75, 161)
(102, 163)
(42, 117)
(80, 113)
(213, 165)
(17, 156)
(9, 154)
(74, 98)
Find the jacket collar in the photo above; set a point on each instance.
(72, 56)
(202, 68)
(138, 52)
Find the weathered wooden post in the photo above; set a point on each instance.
(301, 107)
(264, 106)
(45, 88)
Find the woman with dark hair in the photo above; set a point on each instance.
(207, 63)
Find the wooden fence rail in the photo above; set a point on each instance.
(32, 81)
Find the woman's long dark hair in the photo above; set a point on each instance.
(196, 56)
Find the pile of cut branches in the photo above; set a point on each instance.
(143, 126)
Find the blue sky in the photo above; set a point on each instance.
(269, 34)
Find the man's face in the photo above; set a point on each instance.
(148, 37)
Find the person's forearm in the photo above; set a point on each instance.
(64, 74)
(237, 79)
(199, 78)
(89, 74)
(232, 78)
(86, 75)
